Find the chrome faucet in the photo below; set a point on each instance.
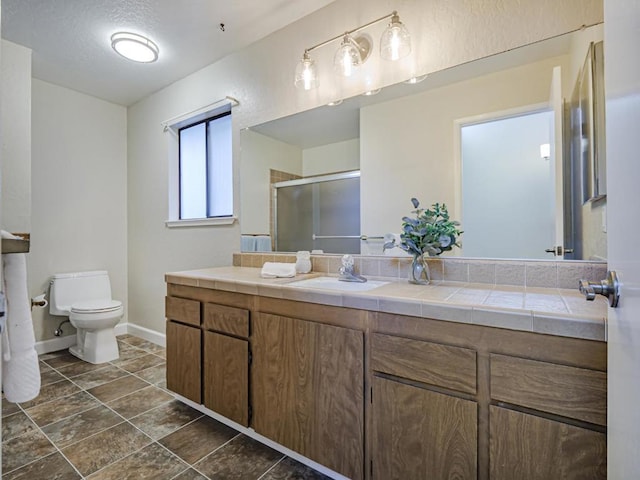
(347, 273)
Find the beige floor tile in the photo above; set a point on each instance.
(78, 427)
(161, 421)
(24, 449)
(242, 458)
(140, 401)
(16, 425)
(52, 391)
(118, 388)
(152, 462)
(198, 439)
(53, 466)
(106, 447)
(56, 410)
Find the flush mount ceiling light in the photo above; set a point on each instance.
(135, 47)
(354, 51)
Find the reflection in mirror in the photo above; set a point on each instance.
(408, 141)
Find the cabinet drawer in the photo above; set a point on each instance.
(182, 310)
(559, 389)
(231, 320)
(442, 365)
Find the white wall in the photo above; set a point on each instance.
(331, 158)
(16, 144)
(260, 77)
(265, 153)
(79, 192)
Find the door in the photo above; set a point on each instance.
(622, 90)
(419, 433)
(502, 155)
(225, 384)
(308, 390)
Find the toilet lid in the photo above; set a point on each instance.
(96, 306)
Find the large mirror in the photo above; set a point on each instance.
(491, 139)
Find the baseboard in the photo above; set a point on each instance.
(62, 343)
(145, 333)
(55, 344)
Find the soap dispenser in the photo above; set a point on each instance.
(303, 262)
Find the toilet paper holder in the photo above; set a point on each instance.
(39, 301)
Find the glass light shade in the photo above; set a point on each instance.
(347, 57)
(306, 74)
(135, 47)
(395, 42)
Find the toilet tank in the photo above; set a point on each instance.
(69, 288)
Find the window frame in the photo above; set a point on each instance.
(206, 122)
(171, 128)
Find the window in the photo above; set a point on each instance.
(206, 169)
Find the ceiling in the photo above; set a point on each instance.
(71, 46)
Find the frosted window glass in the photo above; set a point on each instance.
(206, 169)
(220, 171)
(193, 172)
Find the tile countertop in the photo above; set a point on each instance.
(551, 311)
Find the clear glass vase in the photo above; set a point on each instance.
(419, 273)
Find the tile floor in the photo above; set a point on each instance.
(117, 421)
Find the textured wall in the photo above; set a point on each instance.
(16, 128)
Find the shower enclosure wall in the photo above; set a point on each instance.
(318, 213)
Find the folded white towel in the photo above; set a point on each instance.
(20, 368)
(276, 269)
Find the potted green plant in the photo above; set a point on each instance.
(430, 232)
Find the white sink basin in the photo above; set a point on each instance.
(332, 283)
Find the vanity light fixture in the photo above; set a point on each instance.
(395, 44)
(335, 103)
(135, 47)
(370, 93)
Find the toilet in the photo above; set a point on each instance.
(85, 297)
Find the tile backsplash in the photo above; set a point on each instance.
(520, 273)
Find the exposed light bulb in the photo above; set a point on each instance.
(306, 77)
(347, 57)
(396, 41)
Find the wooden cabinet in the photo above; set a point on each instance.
(441, 399)
(184, 364)
(184, 360)
(308, 382)
(528, 447)
(549, 421)
(226, 362)
(418, 433)
(421, 430)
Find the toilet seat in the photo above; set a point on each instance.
(96, 306)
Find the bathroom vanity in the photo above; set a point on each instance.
(400, 381)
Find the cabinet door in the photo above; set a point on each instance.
(308, 387)
(183, 360)
(528, 447)
(420, 434)
(226, 376)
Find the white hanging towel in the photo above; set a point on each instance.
(20, 368)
